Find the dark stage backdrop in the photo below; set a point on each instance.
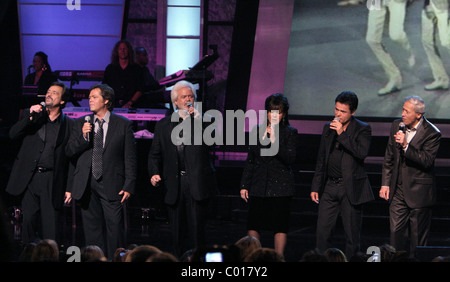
(328, 54)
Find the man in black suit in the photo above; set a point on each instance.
(185, 169)
(40, 172)
(105, 174)
(408, 175)
(340, 175)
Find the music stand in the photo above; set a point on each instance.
(201, 66)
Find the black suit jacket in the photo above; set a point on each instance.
(27, 131)
(271, 176)
(356, 143)
(418, 183)
(163, 161)
(119, 158)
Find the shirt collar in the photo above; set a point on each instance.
(56, 120)
(416, 126)
(105, 117)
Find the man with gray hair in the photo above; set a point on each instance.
(408, 176)
(184, 169)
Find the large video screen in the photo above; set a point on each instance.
(329, 53)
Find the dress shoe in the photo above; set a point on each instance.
(349, 2)
(392, 86)
(437, 84)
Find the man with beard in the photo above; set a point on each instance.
(40, 172)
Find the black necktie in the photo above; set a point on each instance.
(97, 152)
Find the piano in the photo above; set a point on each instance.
(197, 74)
(77, 75)
(31, 90)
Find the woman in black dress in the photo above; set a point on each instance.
(268, 181)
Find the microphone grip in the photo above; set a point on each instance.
(35, 115)
(89, 134)
(189, 106)
(87, 119)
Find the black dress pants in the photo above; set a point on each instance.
(103, 220)
(39, 215)
(333, 202)
(406, 221)
(188, 220)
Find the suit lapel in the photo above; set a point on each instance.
(40, 123)
(347, 159)
(329, 137)
(62, 130)
(351, 128)
(41, 132)
(111, 129)
(419, 133)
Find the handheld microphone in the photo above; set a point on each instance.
(402, 127)
(190, 105)
(335, 119)
(34, 114)
(88, 135)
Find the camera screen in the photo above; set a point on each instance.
(347, 62)
(214, 257)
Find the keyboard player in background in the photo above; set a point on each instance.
(42, 76)
(124, 76)
(153, 92)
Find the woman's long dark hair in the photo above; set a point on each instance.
(278, 102)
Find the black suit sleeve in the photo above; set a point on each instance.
(25, 125)
(155, 153)
(77, 144)
(389, 158)
(249, 168)
(73, 160)
(320, 169)
(130, 160)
